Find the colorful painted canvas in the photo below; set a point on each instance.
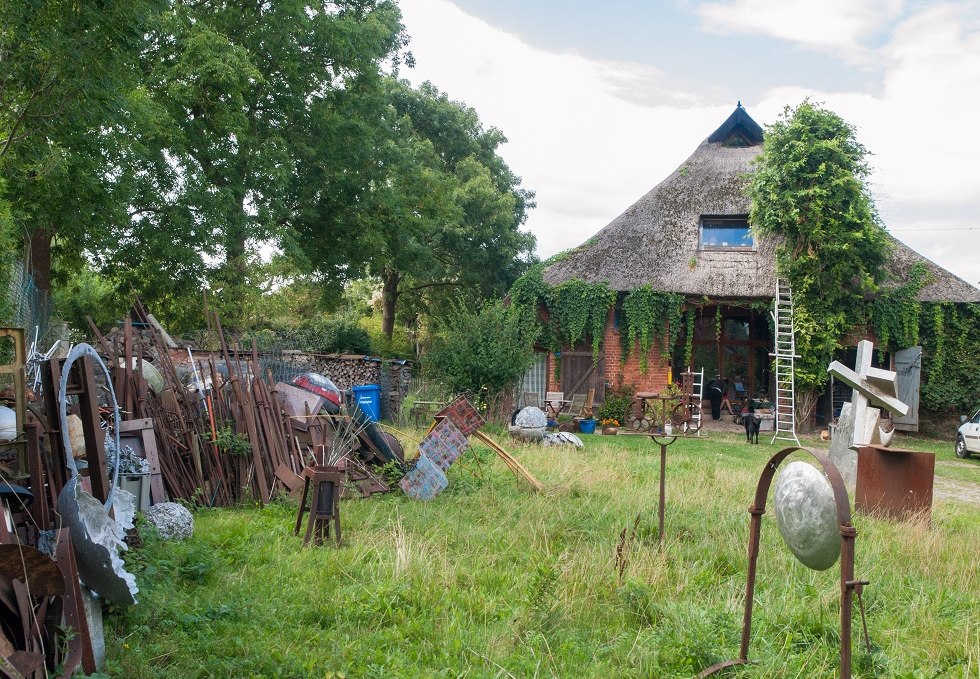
(424, 481)
(466, 418)
(444, 444)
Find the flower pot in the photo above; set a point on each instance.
(610, 431)
(586, 426)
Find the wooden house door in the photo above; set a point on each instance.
(579, 373)
(908, 365)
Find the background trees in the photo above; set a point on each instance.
(438, 212)
(159, 147)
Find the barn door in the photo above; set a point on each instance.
(908, 365)
(579, 373)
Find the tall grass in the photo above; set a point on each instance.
(489, 580)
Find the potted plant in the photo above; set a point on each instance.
(610, 426)
(587, 425)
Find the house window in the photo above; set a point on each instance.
(726, 233)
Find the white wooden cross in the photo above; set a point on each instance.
(878, 386)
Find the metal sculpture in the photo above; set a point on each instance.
(848, 535)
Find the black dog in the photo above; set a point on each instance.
(751, 422)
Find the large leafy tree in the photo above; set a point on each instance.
(66, 72)
(241, 86)
(810, 190)
(439, 213)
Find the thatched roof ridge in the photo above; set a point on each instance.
(943, 286)
(656, 240)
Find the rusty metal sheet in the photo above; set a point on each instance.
(18, 562)
(896, 483)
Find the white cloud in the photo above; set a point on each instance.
(591, 137)
(839, 25)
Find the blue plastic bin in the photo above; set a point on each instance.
(368, 399)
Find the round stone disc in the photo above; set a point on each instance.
(807, 515)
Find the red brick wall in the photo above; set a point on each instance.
(619, 374)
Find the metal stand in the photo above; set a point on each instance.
(663, 440)
(325, 505)
(848, 534)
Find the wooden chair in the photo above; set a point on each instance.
(589, 408)
(576, 405)
(531, 398)
(554, 403)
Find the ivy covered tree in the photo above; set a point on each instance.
(810, 191)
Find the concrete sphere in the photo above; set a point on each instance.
(807, 515)
(172, 521)
(531, 418)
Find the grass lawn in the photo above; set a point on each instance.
(490, 580)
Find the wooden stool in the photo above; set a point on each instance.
(325, 505)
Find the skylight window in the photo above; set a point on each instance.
(726, 233)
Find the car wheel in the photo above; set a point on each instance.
(961, 450)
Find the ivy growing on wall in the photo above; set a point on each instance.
(894, 314)
(809, 189)
(649, 315)
(689, 330)
(580, 310)
(950, 336)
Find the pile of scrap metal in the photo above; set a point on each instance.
(234, 431)
(104, 417)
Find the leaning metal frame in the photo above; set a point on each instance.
(847, 537)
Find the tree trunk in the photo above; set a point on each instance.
(806, 403)
(235, 273)
(389, 298)
(39, 251)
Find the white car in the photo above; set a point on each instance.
(968, 436)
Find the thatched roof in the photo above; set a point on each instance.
(657, 239)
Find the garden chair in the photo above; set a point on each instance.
(576, 405)
(531, 398)
(589, 408)
(554, 403)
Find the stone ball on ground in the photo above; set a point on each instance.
(531, 418)
(172, 521)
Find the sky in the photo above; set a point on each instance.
(601, 101)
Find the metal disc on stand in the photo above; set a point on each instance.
(806, 515)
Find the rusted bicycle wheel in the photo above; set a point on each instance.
(686, 418)
(639, 416)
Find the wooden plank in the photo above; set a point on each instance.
(516, 467)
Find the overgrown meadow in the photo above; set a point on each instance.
(490, 580)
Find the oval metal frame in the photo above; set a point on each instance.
(77, 352)
(848, 535)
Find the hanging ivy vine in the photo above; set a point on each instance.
(894, 314)
(689, 341)
(580, 310)
(647, 316)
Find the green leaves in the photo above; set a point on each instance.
(809, 190)
(482, 352)
(580, 309)
(649, 315)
